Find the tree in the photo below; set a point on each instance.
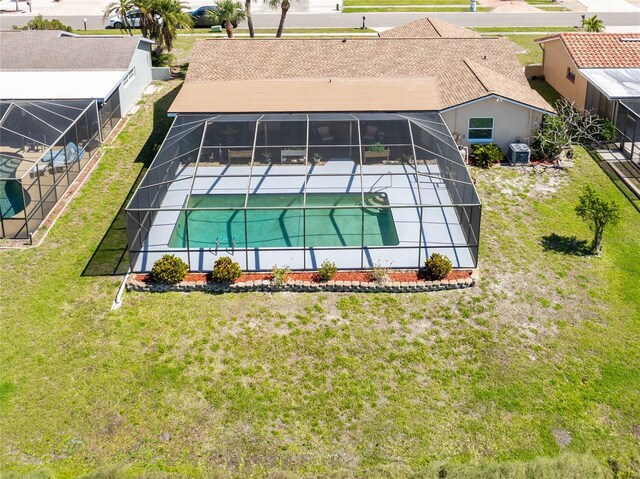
(227, 13)
(569, 126)
(598, 213)
(247, 9)
(149, 25)
(39, 23)
(284, 8)
(120, 8)
(593, 24)
(170, 15)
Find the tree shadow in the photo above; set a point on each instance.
(111, 256)
(569, 245)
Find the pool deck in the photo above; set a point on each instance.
(439, 231)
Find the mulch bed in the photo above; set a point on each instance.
(361, 276)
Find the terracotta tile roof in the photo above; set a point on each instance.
(429, 28)
(601, 50)
(456, 64)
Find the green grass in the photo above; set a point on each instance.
(391, 3)
(553, 8)
(199, 32)
(412, 9)
(525, 29)
(533, 52)
(546, 91)
(325, 385)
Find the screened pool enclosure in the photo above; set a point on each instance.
(296, 189)
(43, 147)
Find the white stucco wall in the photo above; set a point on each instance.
(511, 122)
(130, 91)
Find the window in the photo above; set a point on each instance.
(480, 130)
(130, 76)
(570, 75)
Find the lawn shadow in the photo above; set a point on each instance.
(566, 245)
(110, 257)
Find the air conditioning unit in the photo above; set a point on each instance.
(519, 153)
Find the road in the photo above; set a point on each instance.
(320, 20)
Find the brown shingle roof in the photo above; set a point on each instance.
(601, 50)
(33, 50)
(429, 28)
(446, 60)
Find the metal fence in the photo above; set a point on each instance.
(226, 184)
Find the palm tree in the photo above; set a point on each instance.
(592, 24)
(149, 25)
(284, 8)
(119, 8)
(169, 15)
(228, 13)
(247, 9)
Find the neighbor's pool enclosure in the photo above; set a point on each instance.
(296, 189)
(43, 147)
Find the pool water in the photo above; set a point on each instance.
(11, 198)
(279, 228)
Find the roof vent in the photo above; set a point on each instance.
(630, 39)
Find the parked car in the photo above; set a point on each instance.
(201, 19)
(133, 19)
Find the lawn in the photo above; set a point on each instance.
(203, 32)
(426, 8)
(541, 359)
(397, 3)
(525, 29)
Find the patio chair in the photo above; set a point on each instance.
(325, 133)
(38, 170)
(370, 133)
(66, 156)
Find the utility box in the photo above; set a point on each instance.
(215, 29)
(519, 153)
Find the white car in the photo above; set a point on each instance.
(133, 19)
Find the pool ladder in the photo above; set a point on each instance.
(382, 187)
(233, 244)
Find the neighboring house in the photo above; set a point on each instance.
(45, 65)
(476, 84)
(428, 27)
(601, 73)
(60, 95)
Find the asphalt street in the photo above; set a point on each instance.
(325, 20)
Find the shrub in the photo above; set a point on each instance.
(279, 275)
(39, 23)
(486, 155)
(609, 133)
(379, 273)
(160, 59)
(437, 266)
(225, 270)
(327, 270)
(169, 269)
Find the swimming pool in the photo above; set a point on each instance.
(277, 227)
(11, 198)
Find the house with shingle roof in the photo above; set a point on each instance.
(601, 73)
(428, 27)
(113, 70)
(475, 83)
